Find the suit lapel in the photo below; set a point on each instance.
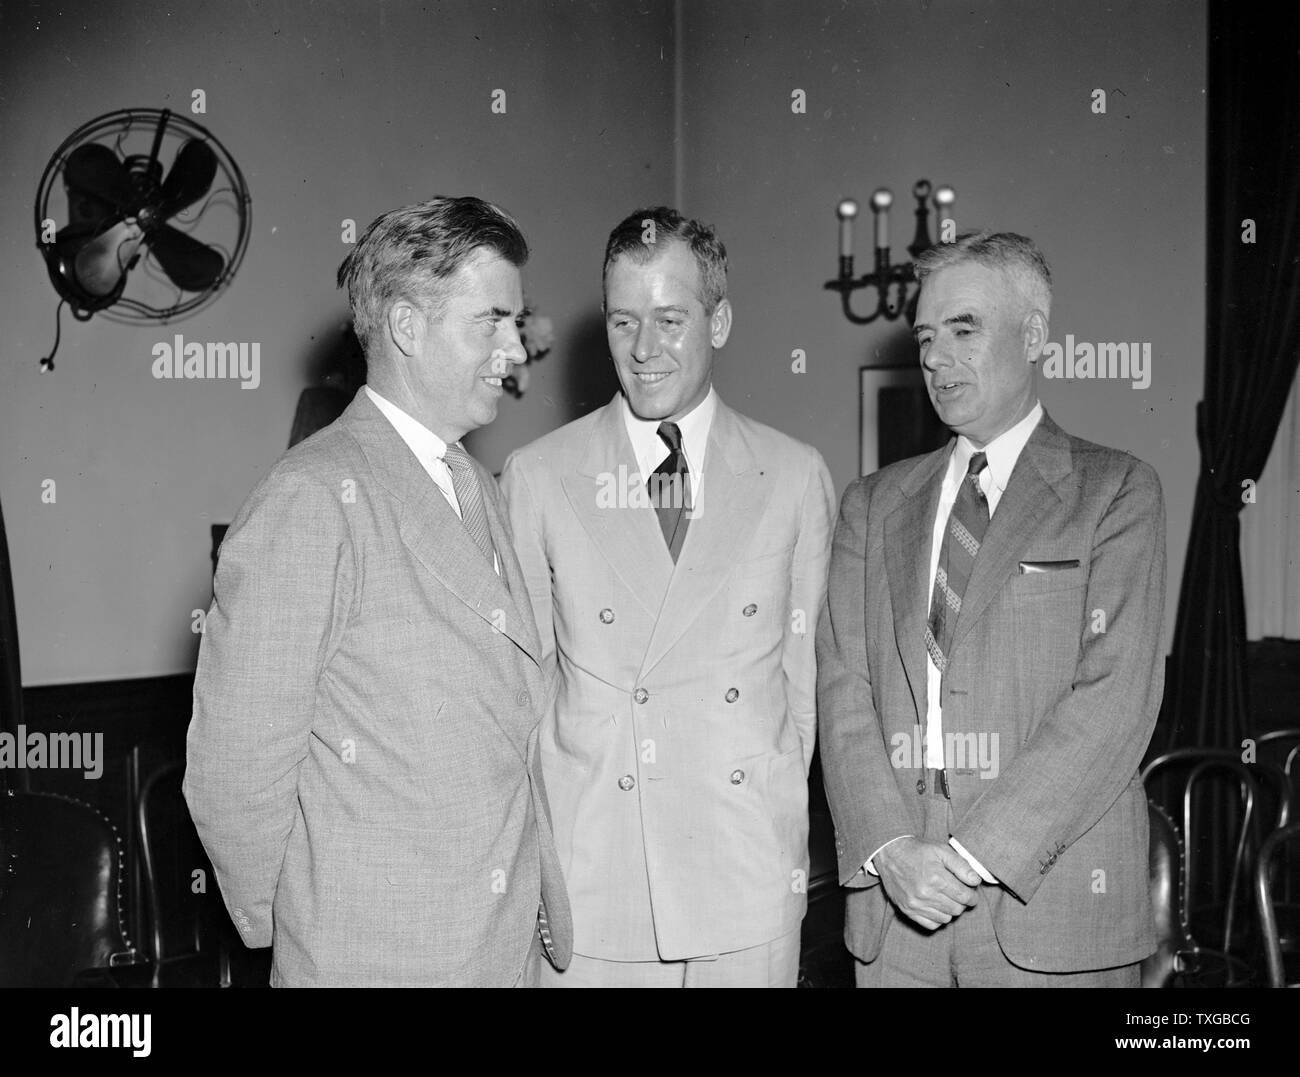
(1029, 496)
(909, 533)
(523, 627)
(605, 495)
(432, 531)
(735, 495)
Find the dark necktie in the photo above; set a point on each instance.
(967, 523)
(469, 495)
(669, 487)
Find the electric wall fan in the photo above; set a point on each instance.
(156, 221)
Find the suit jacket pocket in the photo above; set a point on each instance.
(1037, 583)
(774, 561)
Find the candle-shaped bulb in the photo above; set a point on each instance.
(944, 199)
(846, 211)
(881, 199)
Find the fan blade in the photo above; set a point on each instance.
(191, 265)
(95, 169)
(190, 177)
(100, 265)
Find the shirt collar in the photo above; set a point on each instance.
(1002, 452)
(419, 438)
(694, 425)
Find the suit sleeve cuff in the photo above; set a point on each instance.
(980, 869)
(869, 867)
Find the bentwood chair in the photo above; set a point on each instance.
(1253, 798)
(191, 939)
(1273, 951)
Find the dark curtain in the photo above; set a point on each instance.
(11, 683)
(1252, 346)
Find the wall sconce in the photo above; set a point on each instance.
(886, 275)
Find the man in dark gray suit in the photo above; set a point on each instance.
(989, 666)
(362, 754)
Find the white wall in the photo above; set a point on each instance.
(338, 109)
(333, 110)
(994, 98)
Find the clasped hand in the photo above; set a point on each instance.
(928, 881)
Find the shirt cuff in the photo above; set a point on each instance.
(980, 870)
(869, 867)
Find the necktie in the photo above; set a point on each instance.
(669, 487)
(469, 494)
(961, 544)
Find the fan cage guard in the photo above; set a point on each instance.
(126, 310)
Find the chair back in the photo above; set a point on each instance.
(1282, 748)
(183, 903)
(1276, 841)
(1166, 859)
(60, 891)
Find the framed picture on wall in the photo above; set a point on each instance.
(897, 419)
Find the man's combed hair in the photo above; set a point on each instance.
(412, 251)
(665, 225)
(1016, 255)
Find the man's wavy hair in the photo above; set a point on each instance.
(414, 250)
(1017, 256)
(628, 240)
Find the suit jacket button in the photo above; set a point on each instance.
(626, 783)
(606, 616)
(523, 698)
(733, 694)
(920, 785)
(640, 695)
(737, 776)
(750, 610)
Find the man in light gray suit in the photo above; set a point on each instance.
(990, 666)
(676, 555)
(362, 762)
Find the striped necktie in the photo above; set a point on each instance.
(669, 486)
(967, 523)
(469, 495)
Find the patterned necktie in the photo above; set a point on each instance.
(469, 494)
(961, 544)
(669, 486)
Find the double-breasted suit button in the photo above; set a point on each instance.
(920, 785)
(626, 783)
(640, 695)
(733, 694)
(607, 616)
(750, 610)
(523, 698)
(737, 776)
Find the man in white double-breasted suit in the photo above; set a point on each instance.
(676, 556)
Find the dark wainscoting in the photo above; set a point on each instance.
(1273, 673)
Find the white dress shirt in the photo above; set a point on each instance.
(428, 448)
(651, 450)
(1002, 453)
